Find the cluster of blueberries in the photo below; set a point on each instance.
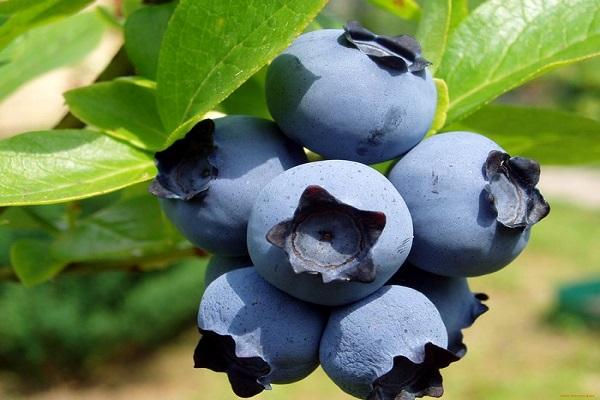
(330, 262)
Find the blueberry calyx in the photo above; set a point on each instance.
(477, 309)
(511, 189)
(398, 52)
(330, 238)
(482, 297)
(185, 169)
(217, 353)
(408, 380)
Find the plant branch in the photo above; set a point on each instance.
(139, 264)
(7, 274)
(146, 263)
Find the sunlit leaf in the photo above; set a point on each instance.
(56, 166)
(438, 20)
(124, 108)
(226, 42)
(407, 9)
(48, 47)
(549, 136)
(504, 43)
(22, 15)
(439, 120)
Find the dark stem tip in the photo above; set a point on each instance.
(185, 168)
(401, 53)
(217, 353)
(408, 380)
(512, 192)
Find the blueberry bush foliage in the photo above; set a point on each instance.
(75, 197)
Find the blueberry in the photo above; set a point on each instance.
(255, 333)
(329, 232)
(472, 204)
(218, 265)
(349, 94)
(389, 345)
(208, 181)
(458, 306)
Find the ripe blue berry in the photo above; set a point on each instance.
(389, 345)
(472, 204)
(207, 181)
(350, 94)
(219, 265)
(255, 333)
(458, 306)
(329, 232)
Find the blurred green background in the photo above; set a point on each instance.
(130, 335)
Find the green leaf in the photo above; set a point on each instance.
(32, 261)
(124, 108)
(91, 205)
(52, 217)
(438, 20)
(130, 228)
(384, 167)
(144, 31)
(56, 166)
(459, 11)
(549, 136)
(123, 228)
(26, 14)
(504, 43)
(326, 20)
(50, 8)
(48, 47)
(130, 6)
(17, 223)
(211, 47)
(248, 99)
(406, 9)
(109, 17)
(441, 109)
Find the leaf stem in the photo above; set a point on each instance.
(73, 211)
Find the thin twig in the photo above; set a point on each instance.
(7, 274)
